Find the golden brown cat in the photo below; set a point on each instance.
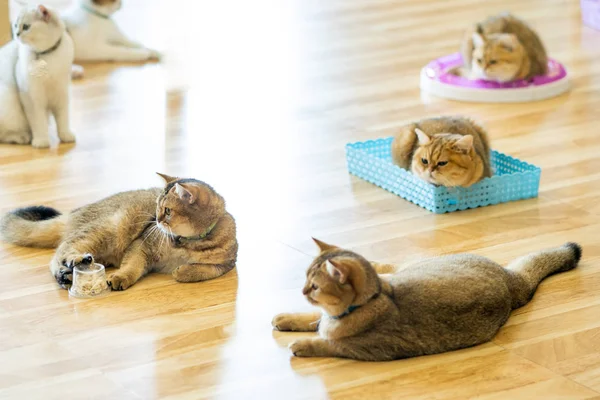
(437, 305)
(182, 229)
(503, 48)
(446, 151)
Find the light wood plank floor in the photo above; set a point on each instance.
(258, 98)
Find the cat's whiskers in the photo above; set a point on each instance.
(150, 232)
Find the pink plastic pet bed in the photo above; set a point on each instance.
(437, 79)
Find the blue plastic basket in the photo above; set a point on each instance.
(512, 180)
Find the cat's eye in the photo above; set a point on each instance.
(167, 211)
(492, 62)
(314, 287)
(442, 163)
(424, 161)
(26, 27)
(479, 60)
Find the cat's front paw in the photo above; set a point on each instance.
(77, 71)
(119, 282)
(78, 260)
(64, 276)
(18, 138)
(154, 55)
(39, 143)
(66, 137)
(284, 323)
(302, 348)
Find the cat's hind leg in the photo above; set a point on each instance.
(123, 53)
(201, 272)
(15, 137)
(77, 71)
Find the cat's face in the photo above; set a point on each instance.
(38, 27)
(106, 7)
(497, 57)
(188, 207)
(444, 159)
(331, 278)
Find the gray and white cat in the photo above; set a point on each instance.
(35, 70)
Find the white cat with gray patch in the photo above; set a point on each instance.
(35, 74)
(97, 36)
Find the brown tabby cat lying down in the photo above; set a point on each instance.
(437, 305)
(445, 151)
(503, 48)
(182, 229)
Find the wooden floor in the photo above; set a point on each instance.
(258, 98)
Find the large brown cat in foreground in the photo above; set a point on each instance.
(446, 151)
(503, 48)
(182, 229)
(437, 305)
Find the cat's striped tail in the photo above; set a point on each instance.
(526, 273)
(36, 226)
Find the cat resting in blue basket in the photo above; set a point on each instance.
(444, 151)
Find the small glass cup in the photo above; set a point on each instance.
(89, 282)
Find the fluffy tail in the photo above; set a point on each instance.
(37, 226)
(526, 273)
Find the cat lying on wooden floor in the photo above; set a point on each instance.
(97, 36)
(434, 306)
(182, 229)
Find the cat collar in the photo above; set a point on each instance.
(50, 50)
(94, 12)
(352, 308)
(183, 239)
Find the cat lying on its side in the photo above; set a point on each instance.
(97, 36)
(437, 305)
(182, 229)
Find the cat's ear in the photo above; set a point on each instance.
(423, 138)
(167, 178)
(323, 246)
(184, 194)
(508, 41)
(337, 270)
(478, 39)
(465, 143)
(202, 194)
(44, 13)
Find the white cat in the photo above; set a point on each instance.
(98, 38)
(35, 71)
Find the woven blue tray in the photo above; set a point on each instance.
(512, 180)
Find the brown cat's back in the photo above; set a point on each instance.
(436, 305)
(507, 23)
(403, 146)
